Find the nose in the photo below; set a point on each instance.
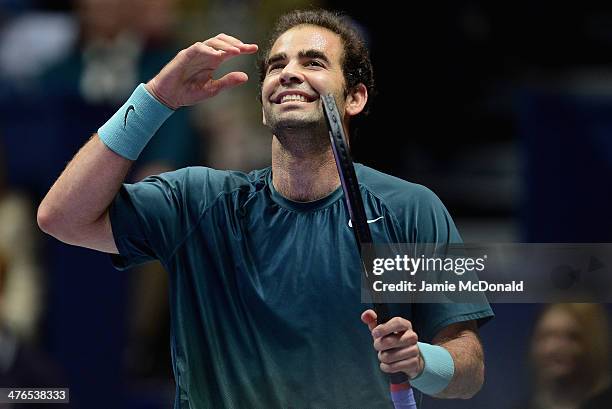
(291, 74)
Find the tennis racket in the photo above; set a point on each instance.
(401, 392)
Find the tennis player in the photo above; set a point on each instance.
(264, 270)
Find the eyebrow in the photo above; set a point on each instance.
(276, 58)
(314, 54)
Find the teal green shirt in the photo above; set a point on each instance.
(265, 292)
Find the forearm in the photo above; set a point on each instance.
(82, 194)
(468, 358)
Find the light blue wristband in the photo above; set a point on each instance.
(128, 131)
(438, 371)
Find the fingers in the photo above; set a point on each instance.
(369, 317)
(395, 324)
(398, 354)
(396, 344)
(395, 333)
(227, 81)
(244, 48)
(220, 48)
(405, 359)
(411, 366)
(220, 45)
(390, 341)
(387, 342)
(230, 45)
(200, 52)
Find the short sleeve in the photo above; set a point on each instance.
(152, 218)
(433, 224)
(429, 221)
(146, 218)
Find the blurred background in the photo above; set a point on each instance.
(504, 109)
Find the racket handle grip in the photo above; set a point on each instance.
(383, 315)
(397, 378)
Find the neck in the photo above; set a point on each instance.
(303, 175)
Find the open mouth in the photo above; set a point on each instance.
(293, 97)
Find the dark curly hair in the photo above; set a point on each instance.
(356, 64)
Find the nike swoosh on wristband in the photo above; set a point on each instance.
(131, 107)
(350, 223)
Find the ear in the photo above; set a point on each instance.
(263, 117)
(356, 100)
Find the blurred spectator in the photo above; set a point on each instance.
(20, 276)
(22, 364)
(120, 44)
(569, 356)
(31, 41)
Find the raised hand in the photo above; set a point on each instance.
(188, 78)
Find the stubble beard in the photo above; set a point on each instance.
(298, 132)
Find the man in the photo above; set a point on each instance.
(263, 266)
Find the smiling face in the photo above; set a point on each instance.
(304, 62)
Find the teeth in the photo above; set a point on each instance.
(293, 97)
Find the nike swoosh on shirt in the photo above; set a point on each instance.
(130, 108)
(350, 223)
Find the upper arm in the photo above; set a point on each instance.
(96, 236)
(102, 238)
